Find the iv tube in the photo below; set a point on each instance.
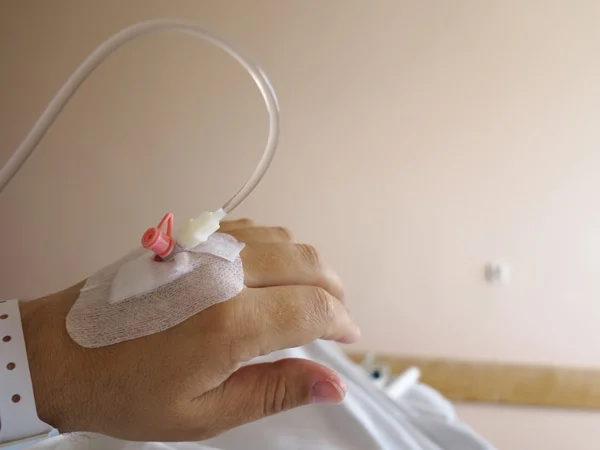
(61, 98)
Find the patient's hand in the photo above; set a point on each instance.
(185, 383)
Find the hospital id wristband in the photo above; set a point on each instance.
(20, 425)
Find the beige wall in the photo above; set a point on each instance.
(419, 140)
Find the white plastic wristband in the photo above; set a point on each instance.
(19, 422)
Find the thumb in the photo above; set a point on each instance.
(260, 390)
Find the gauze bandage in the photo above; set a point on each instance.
(139, 295)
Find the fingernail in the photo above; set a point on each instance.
(328, 392)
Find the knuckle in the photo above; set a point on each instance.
(278, 396)
(309, 255)
(286, 233)
(245, 223)
(323, 306)
(323, 275)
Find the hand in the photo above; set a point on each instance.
(185, 383)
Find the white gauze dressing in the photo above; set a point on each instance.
(137, 296)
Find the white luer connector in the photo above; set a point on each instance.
(199, 229)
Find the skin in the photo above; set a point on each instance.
(186, 383)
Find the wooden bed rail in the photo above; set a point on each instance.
(512, 384)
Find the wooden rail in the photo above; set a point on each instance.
(513, 384)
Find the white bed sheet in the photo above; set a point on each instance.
(369, 418)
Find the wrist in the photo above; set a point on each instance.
(52, 358)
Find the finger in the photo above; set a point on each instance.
(228, 225)
(262, 390)
(274, 318)
(261, 235)
(286, 265)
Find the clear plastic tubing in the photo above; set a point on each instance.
(59, 101)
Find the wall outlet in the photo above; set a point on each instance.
(497, 272)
